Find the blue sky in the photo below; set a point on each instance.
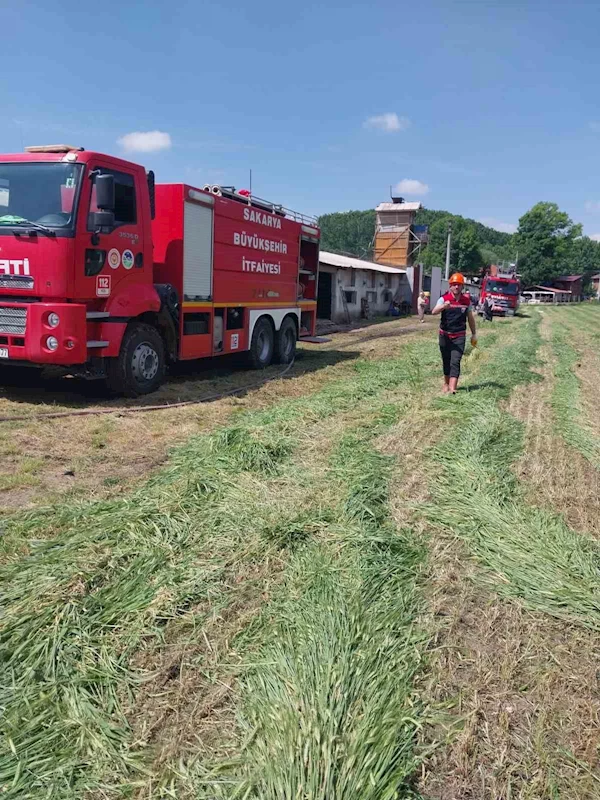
(484, 107)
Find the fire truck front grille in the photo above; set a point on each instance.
(12, 320)
(16, 282)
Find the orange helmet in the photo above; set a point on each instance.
(458, 277)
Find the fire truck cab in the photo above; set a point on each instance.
(502, 289)
(107, 275)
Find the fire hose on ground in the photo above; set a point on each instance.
(86, 412)
(122, 410)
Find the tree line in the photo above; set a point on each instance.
(547, 241)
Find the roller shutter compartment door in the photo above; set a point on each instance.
(197, 251)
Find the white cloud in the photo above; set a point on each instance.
(145, 142)
(592, 205)
(388, 123)
(410, 187)
(595, 237)
(496, 224)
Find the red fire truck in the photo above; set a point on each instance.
(503, 290)
(108, 275)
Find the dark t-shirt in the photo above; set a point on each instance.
(454, 319)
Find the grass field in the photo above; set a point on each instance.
(339, 585)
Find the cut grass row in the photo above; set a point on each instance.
(529, 554)
(89, 586)
(104, 456)
(84, 587)
(566, 398)
(519, 679)
(328, 710)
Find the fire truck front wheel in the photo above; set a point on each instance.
(262, 345)
(140, 366)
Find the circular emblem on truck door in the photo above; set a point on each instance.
(127, 259)
(114, 258)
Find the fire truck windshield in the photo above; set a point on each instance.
(502, 287)
(40, 194)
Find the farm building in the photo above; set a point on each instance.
(346, 284)
(595, 280)
(546, 294)
(572, 284)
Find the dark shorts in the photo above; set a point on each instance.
(452, 350)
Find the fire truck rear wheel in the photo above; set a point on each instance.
(262, 345)
(140, 366)
(285, 342)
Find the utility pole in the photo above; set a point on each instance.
(449, 243)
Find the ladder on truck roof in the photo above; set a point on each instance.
(257, 202)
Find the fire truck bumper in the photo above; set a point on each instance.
(43, 333)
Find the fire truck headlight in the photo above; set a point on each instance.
(53, 320)
(52, 343)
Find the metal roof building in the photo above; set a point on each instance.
(551, 294)
(349, 262)
(350, 288)
(398, 207)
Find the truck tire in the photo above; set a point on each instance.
(285, 342)
(140, 366)
(262, 345)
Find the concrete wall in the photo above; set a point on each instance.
(436, 286)
(378, 287)
(414, 276)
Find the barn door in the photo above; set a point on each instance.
(197, 251)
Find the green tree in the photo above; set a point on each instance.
(352, 233)
(469, 260)
(465, 251)
(434, 254)
(348, 232)
(584, 257)
(487, 237)
(545, 239)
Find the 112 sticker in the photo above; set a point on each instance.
(103, 286)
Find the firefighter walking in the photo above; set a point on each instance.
(455, 309)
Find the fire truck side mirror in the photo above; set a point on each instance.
(102, 221)
(105, 192)
(151, 193)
